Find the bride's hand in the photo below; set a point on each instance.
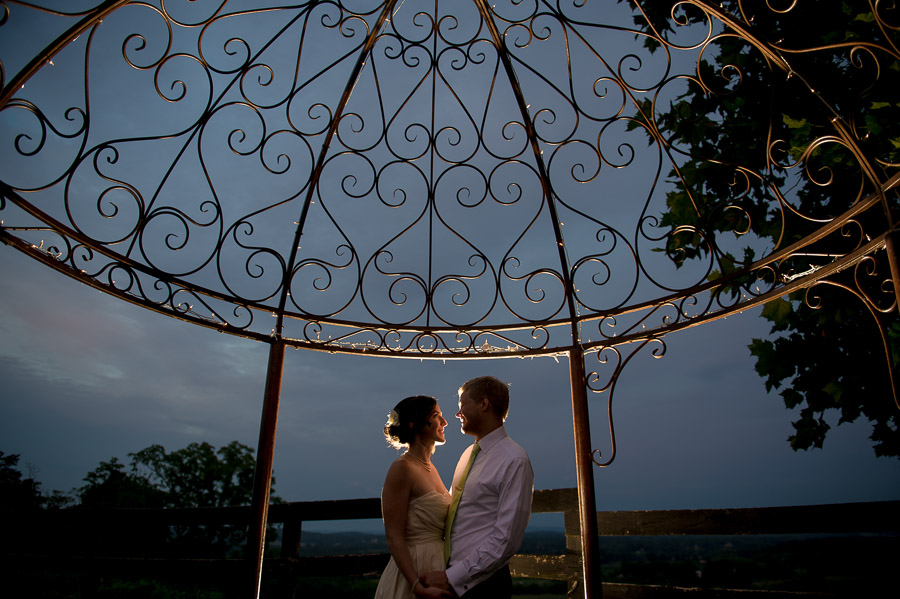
(421, 591)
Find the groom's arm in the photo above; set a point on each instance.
(505, 538)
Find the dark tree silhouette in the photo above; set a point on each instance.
(741, 120)
(195, 476)
(17, 493)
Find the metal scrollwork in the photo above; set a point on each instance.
(614, 359)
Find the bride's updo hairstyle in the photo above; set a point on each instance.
(406, 419)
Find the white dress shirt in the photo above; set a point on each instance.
(493, 511)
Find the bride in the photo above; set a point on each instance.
(414, 501)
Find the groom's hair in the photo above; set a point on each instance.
(492, 389)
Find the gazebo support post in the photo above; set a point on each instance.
(584, 469)
(265, 455)
(890, 246)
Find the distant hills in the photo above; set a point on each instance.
(344, 543)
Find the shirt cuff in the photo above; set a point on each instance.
(458, 580)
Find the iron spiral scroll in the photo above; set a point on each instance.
(444, 179)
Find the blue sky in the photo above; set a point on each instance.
(88, 377)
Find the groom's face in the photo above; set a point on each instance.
(469, 414)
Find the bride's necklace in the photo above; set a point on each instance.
(424, 463)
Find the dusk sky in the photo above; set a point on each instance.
(87, 377)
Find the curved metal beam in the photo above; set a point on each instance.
(564, 269)
(386, 11)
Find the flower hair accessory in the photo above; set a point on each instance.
(393, 418)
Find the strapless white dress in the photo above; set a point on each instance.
(424, 536)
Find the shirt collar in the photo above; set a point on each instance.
(492, 438)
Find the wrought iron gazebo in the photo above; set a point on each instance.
(448, 180)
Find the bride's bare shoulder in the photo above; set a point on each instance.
(401, 467)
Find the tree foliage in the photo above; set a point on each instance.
(195, 476)
(109, 485)
(17, 493)
(757, 156)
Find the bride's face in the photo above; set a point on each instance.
(435, 424)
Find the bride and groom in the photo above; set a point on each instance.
(459, 544)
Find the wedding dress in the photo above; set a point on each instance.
(425, 538)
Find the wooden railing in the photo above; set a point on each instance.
(291, 565)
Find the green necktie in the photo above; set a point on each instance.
(454, 501)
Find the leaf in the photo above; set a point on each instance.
(810, 432)
(792, 399)
(793, 123)
(834, 389)
(873, 125)
(777, 311)
(764, 350)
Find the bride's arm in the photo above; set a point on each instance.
(394, 505)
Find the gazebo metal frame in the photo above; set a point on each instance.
(534, 137)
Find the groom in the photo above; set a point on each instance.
(495, 502)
